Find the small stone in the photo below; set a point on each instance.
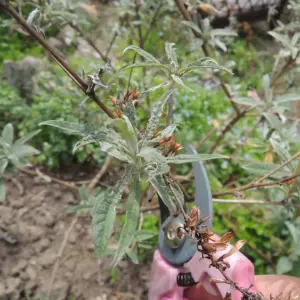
(41, 245)
(31, 271)
(21, 265)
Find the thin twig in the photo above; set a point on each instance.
(111, 43)
(60, 253)
(256, 184)
(259, 202)
(64, 183)
(99, 174)
(279, 167)
(56, 56)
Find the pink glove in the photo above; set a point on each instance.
(163, 285)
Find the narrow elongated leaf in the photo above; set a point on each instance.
(157, 87)
(280, 38)
(188, 158)
(84, 195)
(130, 112)
(144, 235)
(8, 134)
(164, 192)
(179, 81)
(267, 88)
(287, 98)
(133, 256)
(147, 65)
(223, 32)
(193, 26)
(27, 137)
(32, 16)
(146, 55)
(155, 117)
(245, 101)
(202, 63)
(104, 213)
(2, 190)
(273, 120)
(129, 229)
(283, 154)
(3, 165)
(73, 128)
(24, 150)
(171, 54)
(261, 169)
(113, 150)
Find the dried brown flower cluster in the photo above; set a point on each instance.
(168, 145)
(131, 96)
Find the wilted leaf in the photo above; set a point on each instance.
(129, 229)
(188, 158)
(146, 55)
(8, 134)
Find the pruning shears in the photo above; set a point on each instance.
(178, 265)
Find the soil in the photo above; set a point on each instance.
(33, 223)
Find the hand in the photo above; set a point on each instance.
(268, 285)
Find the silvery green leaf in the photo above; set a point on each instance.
(3, 165)
(112, 150)
(193, 26)
(267, 88)
(143, 235)
(126, 131)
(32, 15)
(146, 55)
(245, 101)
(81, 208)
(287, 98)
(280, 38)
(2, 189)
(223, 32)
(164, 192)
(188, 158)
(130, 112)
(129, 229)
(283, 154)
(295, 38)
(284, 265)
(155, 117)
(156, 87)
(202, 63)
(261, 169)
(171, 54)
(83, 193)
(221, 45)
(132, 255)
(180, 82)
(273, 120)
(27, 137)
(24, 150)
(8, 134)
(73, 128)
(148, 65)
(293, 230)
(155, 163)
(104, 213)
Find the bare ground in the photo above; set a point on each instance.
(32, 229)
